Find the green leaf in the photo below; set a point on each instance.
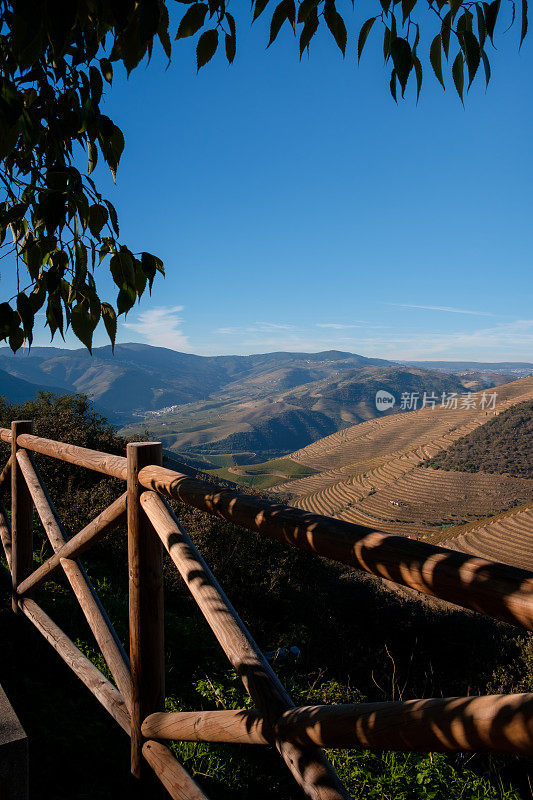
(363, 35)
(491, 16)
(523, 31)
(33, 259)
(402, 59)
(231, 22)
(393, 31)
(97, 84)
(285, 10)
(51, 210)
(392, 85)
(259, 7)
(445, 32)
(417, 38)
(92, 151)
(192, 20)
(486, 65)
(336, 26)
(13, 214)
(231, 38)
(97, 218)
(112, 215)
(38, 296)
(206, 48)
(387, 38)
(110, 322)
(80, 262)
(308, 31)
(472, 54)
(149, 16)
(83, 210)
(16, 339)
(104, 251)
(26, 314)
(435, 58)
(150, 265)
(6, 320)
(482, 30)
(231, 47)
(307, 7)
(126, 299)
(464, 23)
(54, 314)
(162, 31)
(122, 270)
(418, 72)
(117, 144)
(107, 69)
(83, 322)
(407, 7)
(455, 5)
(140, 279)
(458, 74)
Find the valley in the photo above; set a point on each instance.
(255, 407)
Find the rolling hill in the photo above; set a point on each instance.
(277, 423)
(17, 390)
(376, 474)
(273, 424)
(519, 368)
(137, 378)
(265, 405)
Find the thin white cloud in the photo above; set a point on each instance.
(257, 327)
(161, 327)
(449, 309)
(338, 326)
(509, 341)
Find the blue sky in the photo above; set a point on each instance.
(297, 207)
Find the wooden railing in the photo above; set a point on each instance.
(494, 723)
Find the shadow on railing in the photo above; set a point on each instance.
(494, 723)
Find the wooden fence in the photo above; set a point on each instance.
(495, 723)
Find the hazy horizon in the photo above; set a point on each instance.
(76, 346)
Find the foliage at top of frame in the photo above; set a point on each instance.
(57, 56)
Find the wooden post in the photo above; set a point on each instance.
(145, 559)
(21, 515)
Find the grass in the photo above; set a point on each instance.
(263, 476)
(364, 773)
(252, 481)
(290, 468)
(227, 459)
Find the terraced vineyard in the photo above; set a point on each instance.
(372, 474)
(509, 538)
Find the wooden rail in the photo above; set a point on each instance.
(495, 723)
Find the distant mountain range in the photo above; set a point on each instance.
(139, 378)
(266, 404)
(519, 368)
(18, 390)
